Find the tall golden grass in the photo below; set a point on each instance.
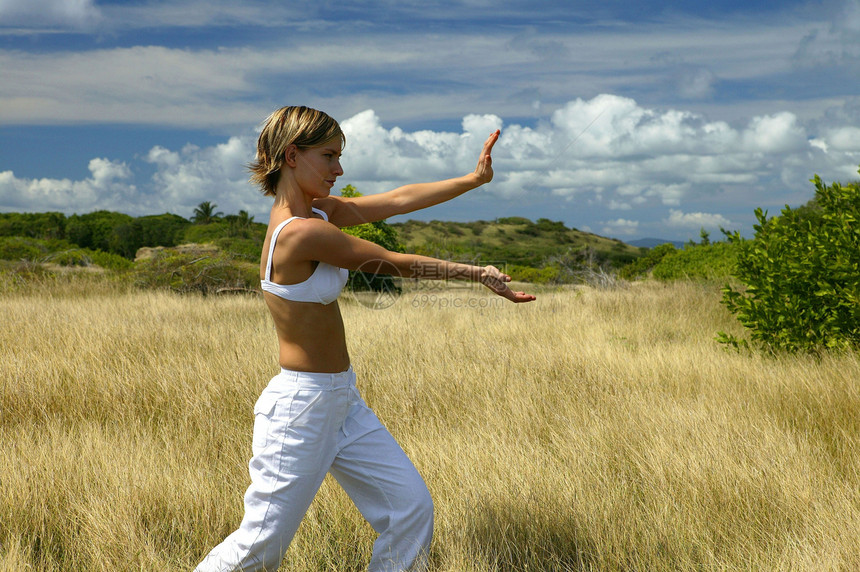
(590, 430)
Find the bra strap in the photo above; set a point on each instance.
(272, 246)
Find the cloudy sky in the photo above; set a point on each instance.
(630, 119)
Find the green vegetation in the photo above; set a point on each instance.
(641, 267)
(802, 275)
(205, 213)
(706, 261)
(98, 230)
(543, 252)
(20, 249)
(46, 225)
(381, 233)
(709, 261)
(206, 271)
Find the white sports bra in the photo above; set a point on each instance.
(323, 286)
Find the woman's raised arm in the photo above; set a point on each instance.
(343, 211)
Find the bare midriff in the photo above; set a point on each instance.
(311, 336)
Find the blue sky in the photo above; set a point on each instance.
(627, 119)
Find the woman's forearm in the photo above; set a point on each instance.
(416, 196)
(427, 268)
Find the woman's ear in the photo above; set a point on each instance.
(290, 154)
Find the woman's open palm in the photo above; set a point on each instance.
(484, 170)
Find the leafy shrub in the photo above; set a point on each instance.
(60, 252)
(154, 230)
(110, 261)
(86, 257)
(802, 275)
(231, 226)
(248, 249)
(642, 266)
(96, 230)
(381, 233)
(478, 227)
(205, 273)
(545, 275)
(546, 225)
(205, 232)
(34, 225)
(35, 250)
(705, 262)
(513, 220)
(71, 257)
(21, 248)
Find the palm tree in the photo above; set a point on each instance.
(244, 220)
(205, 213)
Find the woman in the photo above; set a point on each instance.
(310, 419)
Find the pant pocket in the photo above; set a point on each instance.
(263, 412)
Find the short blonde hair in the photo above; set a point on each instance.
(293, 125)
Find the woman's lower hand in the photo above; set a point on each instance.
(496, 280)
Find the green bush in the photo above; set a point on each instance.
(381, 233)
(71, 257)
(642, 266)
(546, 225)
(97, 230)
(50, 225)
(87, 257)
(21, 248)
(697, 262)
(513, 220)
(545, 275)
(205, 232)
(248, 249)
(202, 272)
(154, 230)
(802, 275)
(110, 261)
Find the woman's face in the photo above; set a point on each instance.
(318, 168)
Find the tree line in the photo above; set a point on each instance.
(122, 234)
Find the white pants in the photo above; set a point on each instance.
(308, 424)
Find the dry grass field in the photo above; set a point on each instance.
(589, 430)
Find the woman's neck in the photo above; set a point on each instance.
(293, 201)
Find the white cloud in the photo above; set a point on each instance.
(185, 178)
(108, 187)
(49, 13)
(375, 154)
(778, 133)
(182, 180)
(835, 43)
(626, 156)
(679, 219)
(620, 226)
(234, 85)
(696, 83)
(619, 205)
(845, 139)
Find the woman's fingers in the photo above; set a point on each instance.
(484, 170)
(491, 140)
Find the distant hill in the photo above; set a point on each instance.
(511, 240)
(652, 242)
